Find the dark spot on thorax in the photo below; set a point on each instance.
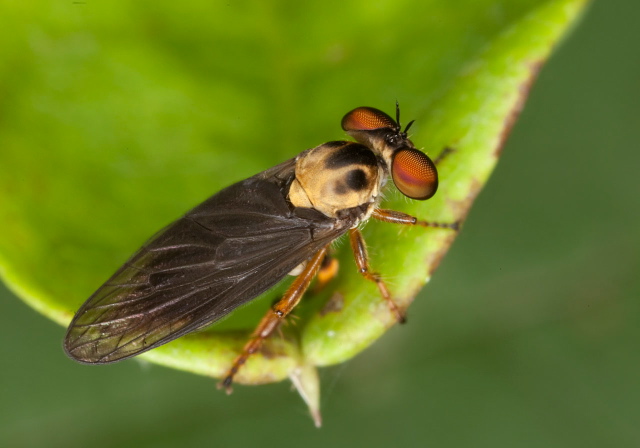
(357, 180)
(340, 188)
(351, 154)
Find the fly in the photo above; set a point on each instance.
(245, 239)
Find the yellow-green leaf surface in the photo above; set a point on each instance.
(117, 118)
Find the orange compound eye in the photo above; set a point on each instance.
(414, 174)
(367, 119)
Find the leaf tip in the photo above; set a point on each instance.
(305, 380)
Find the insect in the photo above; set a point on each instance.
(246, 238)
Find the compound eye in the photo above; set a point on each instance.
(414, 174)
(367, 119)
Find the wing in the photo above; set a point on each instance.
(225, 252)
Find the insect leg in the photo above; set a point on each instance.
(275, 316)
(402, 218)
(360, 252)
(328, 270)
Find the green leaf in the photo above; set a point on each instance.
(118, 118)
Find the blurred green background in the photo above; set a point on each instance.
(526, 336)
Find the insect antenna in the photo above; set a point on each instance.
(408, 126)
(399, 126)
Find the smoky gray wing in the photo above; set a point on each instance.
(223, 253)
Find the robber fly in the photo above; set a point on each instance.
(245, 239)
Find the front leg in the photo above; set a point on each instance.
(395, 217)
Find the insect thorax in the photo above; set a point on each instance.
(337, 176)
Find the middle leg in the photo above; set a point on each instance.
(360, 252)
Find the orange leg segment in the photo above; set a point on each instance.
(327, 272)
(395, 217)
(360, 252)
(275, 316)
